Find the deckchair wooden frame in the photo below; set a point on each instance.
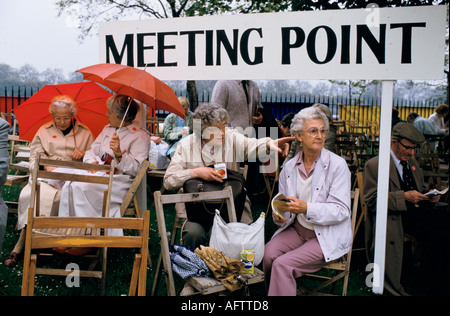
(53, 232)
(202, 285)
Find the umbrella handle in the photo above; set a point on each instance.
(73, 130)
(126, 112)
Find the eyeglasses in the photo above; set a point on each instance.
(407, 147)
(62, 118)
(314, 132)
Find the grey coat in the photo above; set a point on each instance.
(230, 95)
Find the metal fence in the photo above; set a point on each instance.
(342, 108)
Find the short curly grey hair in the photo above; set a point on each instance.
(63, 102)
(307, 114)
(209, 115)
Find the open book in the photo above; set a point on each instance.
(279, 199)
(435, 192)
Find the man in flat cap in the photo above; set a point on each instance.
(409, 212)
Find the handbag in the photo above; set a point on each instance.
(203, 212)
(232, 238)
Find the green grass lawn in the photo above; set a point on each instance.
(120, 263)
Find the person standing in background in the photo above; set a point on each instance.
(438, 118)
(242, 100)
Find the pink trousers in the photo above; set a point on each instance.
(290, 254)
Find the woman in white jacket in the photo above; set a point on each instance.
(316, 226)
(128, 146)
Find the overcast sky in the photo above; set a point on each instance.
(31, 33)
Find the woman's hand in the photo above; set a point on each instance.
(280, 145)
(207, 174)
(114, 144)
(278, 219)
(296, 206)
(184, 131)
(156, 139)
(77, 154)
(93, 171)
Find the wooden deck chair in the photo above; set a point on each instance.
(152, 124)
(179, 222)
(271, 177)
(130, 205)
(125, 208)
(35, 229)
(341, 267)
(18, 174)
(140, 241)
(19, 148)
(202, 285)
(18, 168)
(362, 216)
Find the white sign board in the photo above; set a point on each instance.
(377, 43)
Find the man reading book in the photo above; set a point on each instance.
(411, 212)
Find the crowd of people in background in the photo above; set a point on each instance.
(315, 228)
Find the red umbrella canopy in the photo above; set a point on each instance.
(135, 83)
(89, 97)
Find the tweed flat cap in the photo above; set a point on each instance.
(408, 132)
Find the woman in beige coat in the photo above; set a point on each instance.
(128, 146)
(64, 138)
(212, 143)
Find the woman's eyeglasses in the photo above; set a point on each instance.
(314, 132)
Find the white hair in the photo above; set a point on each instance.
(307, 114)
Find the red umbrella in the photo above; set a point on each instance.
(89, 97)
(135, 83)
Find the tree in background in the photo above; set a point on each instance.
(29, 76)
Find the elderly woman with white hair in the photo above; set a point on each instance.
(63, 138)
(211, 143)
(122, 140)
(315, 227)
